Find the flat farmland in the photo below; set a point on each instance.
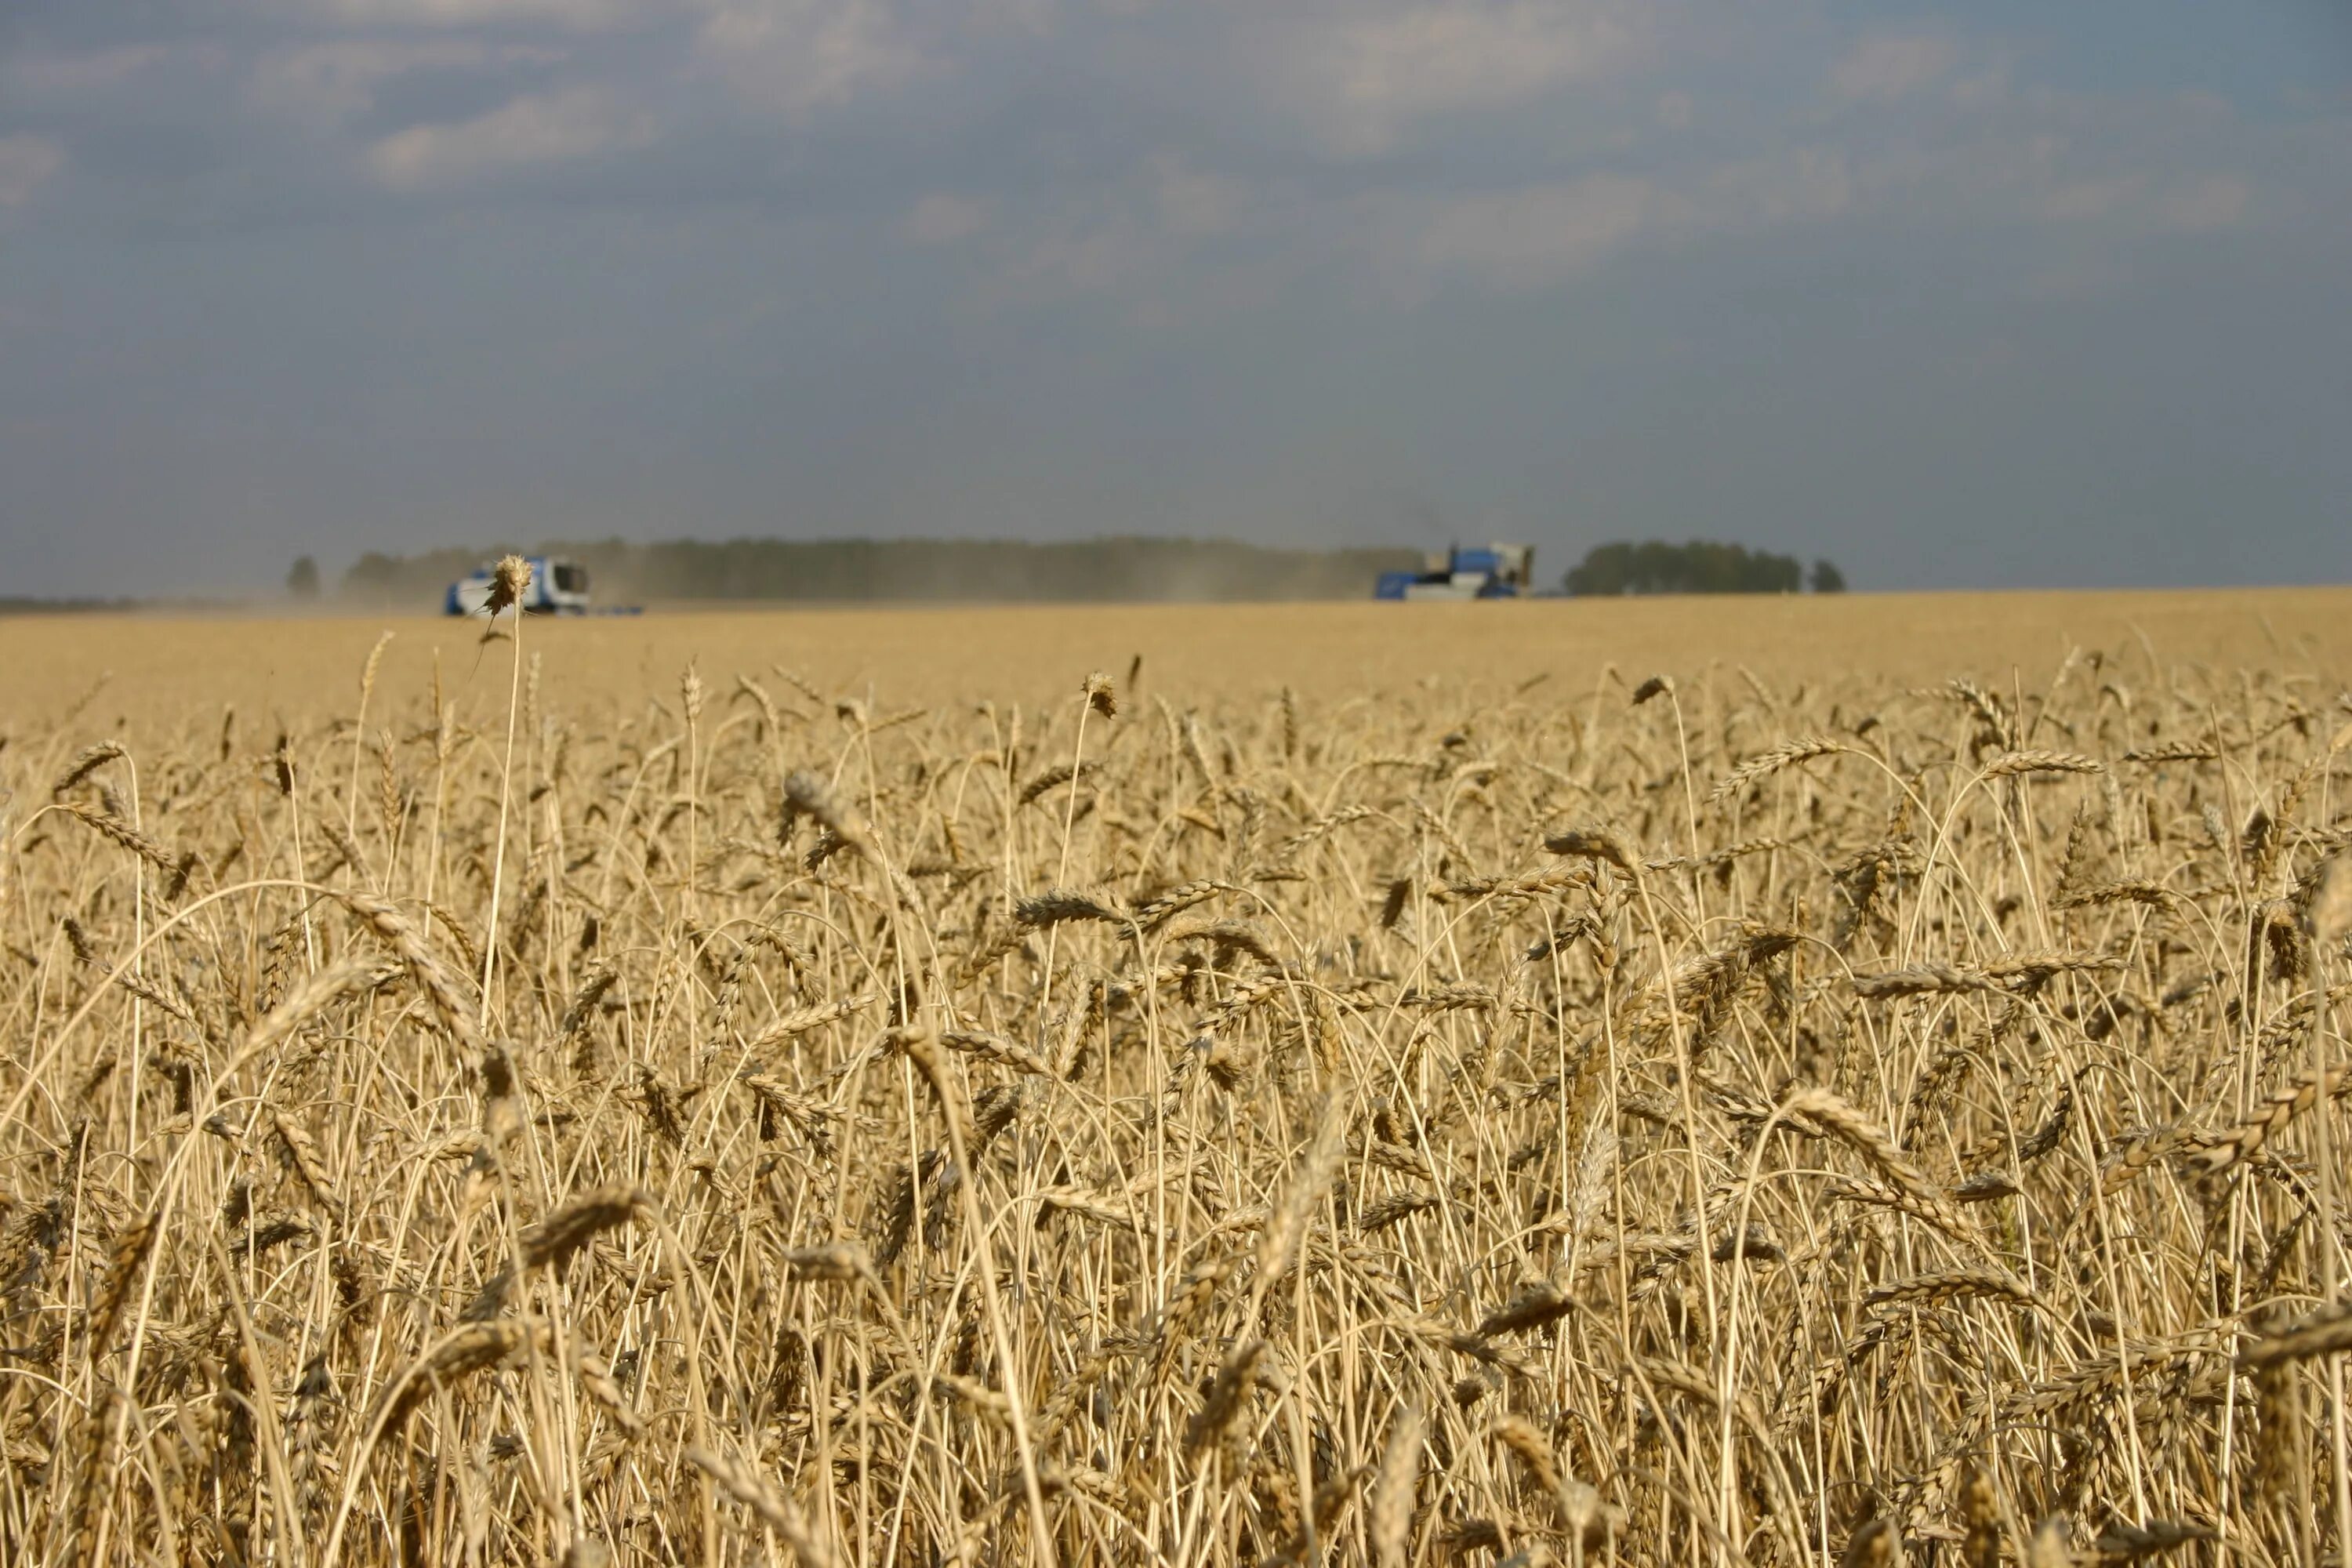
(162, 667)
(1778, 1082)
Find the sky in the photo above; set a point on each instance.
(1957, 295)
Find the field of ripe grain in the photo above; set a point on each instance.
(136, 670)
(1779, 1083)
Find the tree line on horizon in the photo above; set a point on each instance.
(1698, 566)
(1131, 569)
(1123, 568)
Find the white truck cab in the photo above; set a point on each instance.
(557, 587)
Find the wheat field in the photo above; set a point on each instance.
(1785, 1084)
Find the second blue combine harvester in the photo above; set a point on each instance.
(1466, 572)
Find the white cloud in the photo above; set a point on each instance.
(2209, 108)
(942, 219)
(334, 81)
(1674, 110)
(1034, 18)
(1889, 66)
(797, 57)
(1540, 234)
(1150, 240)
(578, 14)
(2218, 200)
(1086, 256)
(1982, 90)
(1192, 202)
(1361, 78)
(26, 163)
(100, 70)
(2085, 201)
(1787, 187)
(530, 132)
(1535, 236)
(2139, 201)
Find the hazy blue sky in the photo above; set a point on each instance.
(1982, 294)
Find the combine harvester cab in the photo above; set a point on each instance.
(557, 587)
(1466, 572)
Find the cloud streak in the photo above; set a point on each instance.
(1885, 68)
(1364, 75)
(461, 15)
(798, 57)
(26, 163)
(534, 132)
(336, 81)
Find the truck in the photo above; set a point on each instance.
(557, 587)
(1466, 572)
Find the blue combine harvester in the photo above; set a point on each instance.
(1466, 572)
(557, 587)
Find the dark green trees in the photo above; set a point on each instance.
(1700, 567)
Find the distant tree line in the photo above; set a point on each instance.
(968, 569)
(24, 604)
(1700, 567)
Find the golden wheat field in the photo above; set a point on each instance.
(1803, 1082)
